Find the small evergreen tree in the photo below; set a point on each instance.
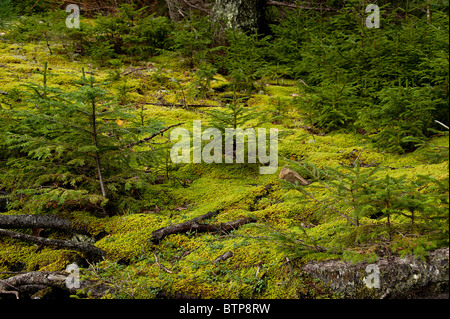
(378, 215)
(74, 147)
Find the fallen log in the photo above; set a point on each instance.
(29, 283)
(194, 225)
(395, 277)
(90, 251)
(40, 221)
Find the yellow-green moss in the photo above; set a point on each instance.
(239, 190)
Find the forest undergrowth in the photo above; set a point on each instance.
(85, 122)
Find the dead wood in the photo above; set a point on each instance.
(160, 233)
(181, 105)
(90, 251)
(26, 284)
(160, 132)
(296, 6)
(194, 225)
(161, 266)
(40, 221)
(222, 257)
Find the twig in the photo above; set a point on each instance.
(288, 262)
(89, 250)
(442, 124)
(153, 135)
(295, 6)
(161, 266)
(357, 158)
(386, 294)
(180, 105)
(10, 292)
(48, 45)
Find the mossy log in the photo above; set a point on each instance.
(90, 251)
(39, 221)
(398, 278)
(194, 225)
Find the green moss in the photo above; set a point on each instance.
(258, 267)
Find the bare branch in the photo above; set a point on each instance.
(89, 250)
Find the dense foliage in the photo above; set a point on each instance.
(80, 148)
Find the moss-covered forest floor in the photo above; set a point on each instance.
(264, 264)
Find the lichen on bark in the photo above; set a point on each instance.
(406, 277)
(247, 15)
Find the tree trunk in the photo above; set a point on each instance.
(175, 9)
(97, 155)
(247, 15)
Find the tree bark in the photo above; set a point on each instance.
(40, 221)
(247, 15)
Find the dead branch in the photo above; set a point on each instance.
(91, 252)
(40, 221)
(194, 225)
(134, 70)
(180, 105)
(31, 282)
(153, 135)
(161, 266)
(295, 6)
